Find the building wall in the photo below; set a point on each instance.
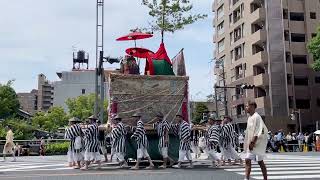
(266, 58)
(73, 84)
(45, 93)
(28, 101)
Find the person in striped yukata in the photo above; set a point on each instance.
(182, 129)
(227, 146)
(92, 146)
(102, 141)
(142, 142)
(162, 127)
(118, 142)
(212, 140)
(74, 133)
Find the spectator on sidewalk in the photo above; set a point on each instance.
(300, 138)
(289, 142)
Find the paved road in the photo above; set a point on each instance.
(296, 166)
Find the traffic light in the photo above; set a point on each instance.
(112, 60)
(247, 86)
(292, 116)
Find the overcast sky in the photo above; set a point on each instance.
(39, 36)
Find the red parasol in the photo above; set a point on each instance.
(139, 52)
(134, 36)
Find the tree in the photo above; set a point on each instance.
(200, 109)
(83, 106)
(170, 15)
(9, 103)
(21, 128)
(314, 48)
(51, 120)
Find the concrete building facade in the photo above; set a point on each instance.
(45, 93)
(263, 42)
(73, 84)
(29, 101)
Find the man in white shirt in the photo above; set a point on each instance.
(255, 141)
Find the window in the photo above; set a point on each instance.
(232, 56)
(317, 79)
(221, 46)
(286, 35)
(83, 91)
(237, 14)
(288, 57)
(238, 52)
(313, 35)
(285, 13)
(301, 81)
(290, 99)
(289, 79)
(220, 12)
(230, 19)
(303, 103)
(220, 28)
(299, 59)
(296, 16)
(231, 38)
(313, 15)
(237, 33)
(318, 102)
(295, 37)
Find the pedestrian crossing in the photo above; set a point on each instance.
(284, 167)
(32, 166)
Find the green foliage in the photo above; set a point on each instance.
(200, 109)
(171, 15)
(9, 103)
(51, 120)
(57, 148)
(83, 106)
(314, 48)
(21, 129)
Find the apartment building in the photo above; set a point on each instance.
(45, 93)
(263, 42)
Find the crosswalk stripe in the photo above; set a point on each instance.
(273, 168)
(26, 170)
(284, 172)
(31, 167)
(290, 177)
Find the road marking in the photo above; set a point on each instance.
(283, 172)
(290, 177)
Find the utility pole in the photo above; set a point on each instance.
(224, 92)
(216, 101)
(99, 51)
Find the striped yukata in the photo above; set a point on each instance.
(227, 142)
(92, 145)
(162, 127)
(183, 131)
(118, 141)
(74, 133)
(212, 141)
(142, 141)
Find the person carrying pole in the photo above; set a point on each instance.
(92, 145)
(142, 142)
(182, 129)
(74, 134)
(118, 143)
(162, 127)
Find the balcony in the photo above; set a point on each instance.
(237, 38)
(262, 101)
(257, 16)
(259, 58)
(259, 36)
(261, 80)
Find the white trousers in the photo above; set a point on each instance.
(183, 154)
(230, 153)
(213, 155)
(142, 153)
